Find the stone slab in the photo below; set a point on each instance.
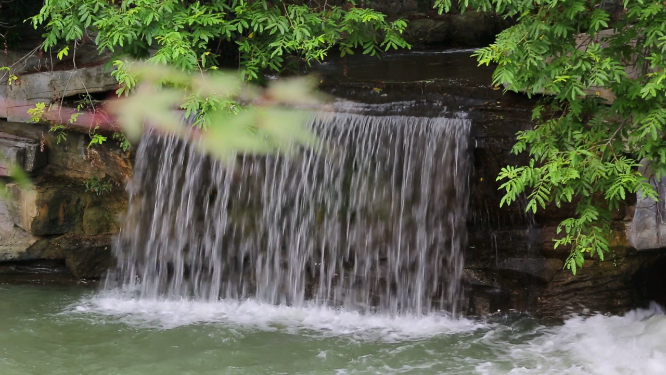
(49, 87)
(14, 242)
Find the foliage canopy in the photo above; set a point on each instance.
(188, 34)
(191, 35)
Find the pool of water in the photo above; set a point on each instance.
(73, 330)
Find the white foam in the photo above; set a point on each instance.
(251, 314)
(597, 345)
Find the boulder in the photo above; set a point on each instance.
(648, 226)
(85, 256)
(607, 286)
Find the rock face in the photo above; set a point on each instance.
(57, 218)
(61, 207)
(608, 287)
(71, 158)
(427, 28)
(469, 29)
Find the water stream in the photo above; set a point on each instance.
(372, 219)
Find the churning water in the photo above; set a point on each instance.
(371, 219)
(67, 331)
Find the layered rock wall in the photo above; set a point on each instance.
(59, 216)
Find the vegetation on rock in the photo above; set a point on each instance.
(584, 148)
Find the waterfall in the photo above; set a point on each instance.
(373, 219)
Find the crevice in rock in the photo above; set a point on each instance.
(41, 266)
(650, 283)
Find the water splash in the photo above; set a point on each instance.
(253, 315)
(371, 219)
(596, 345)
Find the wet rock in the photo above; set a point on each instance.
(488, 301)
(479, 278)
(469, 29)
(40, 266)
(540, 268)
(650, 280)
(100, 220)
(428, 31)
(87, 257)
(599, 286)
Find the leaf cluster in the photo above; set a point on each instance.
(266, 125)
(98, 186)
